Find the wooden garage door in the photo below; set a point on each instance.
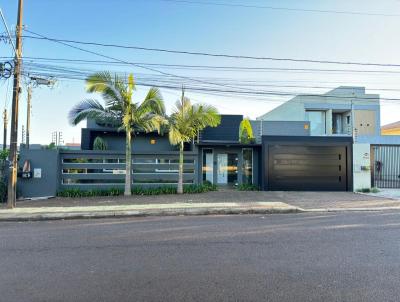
(307, 168)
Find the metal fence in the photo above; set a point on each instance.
(86, 170)
(386, 166)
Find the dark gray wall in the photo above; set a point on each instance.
(228, 129)
(52, 165)
(116, 141)
(48, 162)
(280, 128)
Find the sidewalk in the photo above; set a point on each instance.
(176, 209)
(220, 202)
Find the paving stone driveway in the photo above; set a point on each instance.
(306, 200)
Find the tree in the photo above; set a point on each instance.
(99, 144)
(246, 135)
(185, 123)
(119, 111)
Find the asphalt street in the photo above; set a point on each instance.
(291, 257)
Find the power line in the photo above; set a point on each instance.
(126, 62)
(34, 67)
(249, 92)
(41, 37)
(240, 5)
(8, 31)
(213, 67)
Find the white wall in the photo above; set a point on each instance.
(361, 166)
(292, 110)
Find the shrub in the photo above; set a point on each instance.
(189, 189)
(248, 187)
(3, 191)
(89, 193)
(368, 190)
(374, 190)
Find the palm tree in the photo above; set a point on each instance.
(119, 111)
(185, 122)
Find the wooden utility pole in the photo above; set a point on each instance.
(5, 120)
(28, 116)
(12, 181)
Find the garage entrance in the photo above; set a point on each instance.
(308, 164)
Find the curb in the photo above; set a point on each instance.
(331, 210)
(147, 213)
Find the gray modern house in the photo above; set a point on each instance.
(274, 161)
(329, 142)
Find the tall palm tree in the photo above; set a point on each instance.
(185, 123)
(119, 111)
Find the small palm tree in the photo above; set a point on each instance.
(185, 123)
(119, 111)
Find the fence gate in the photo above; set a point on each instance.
(386, 166)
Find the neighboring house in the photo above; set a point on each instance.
(341, 111)
(72, 146)
(391, 129)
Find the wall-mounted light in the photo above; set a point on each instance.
(152, 141)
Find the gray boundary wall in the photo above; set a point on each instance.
(46, 183)
(86, 170)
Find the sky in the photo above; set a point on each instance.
(199, 27)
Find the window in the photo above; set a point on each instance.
(247, 166)
(337, 125)
(317, 121)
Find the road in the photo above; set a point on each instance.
(292, 257)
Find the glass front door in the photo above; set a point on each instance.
(227, 168)
(208, 162)
(222, 172)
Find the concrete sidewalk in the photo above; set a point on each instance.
(176, 209)
(170, 209)
(220, 202)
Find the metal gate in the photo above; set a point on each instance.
(386, 166)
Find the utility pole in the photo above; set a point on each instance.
(12, 181)
(5, 120)
(28, 116)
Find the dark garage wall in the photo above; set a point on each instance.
(317, 175)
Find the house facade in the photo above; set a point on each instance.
(326, 142)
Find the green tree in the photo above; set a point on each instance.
(246, 135)
(119, 111)
(99, 144)
(185, 123)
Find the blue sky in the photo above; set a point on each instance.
(207, 28)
